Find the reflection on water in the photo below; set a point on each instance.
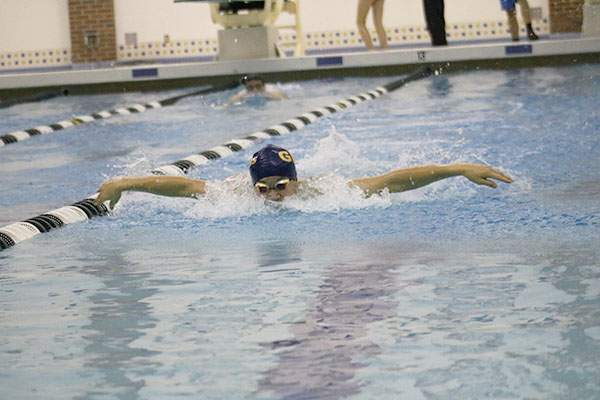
(440, 87)
(444, 322)
(284, 319)
(119, 350)
(275, 256)
(320, 361)
(118, 316)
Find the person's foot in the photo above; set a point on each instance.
(531, 34)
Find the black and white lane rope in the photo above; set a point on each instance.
(19, 136)
(20, 231)
(87, 208)
(185, 165)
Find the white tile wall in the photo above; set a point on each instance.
(35, 59)
(323, 41)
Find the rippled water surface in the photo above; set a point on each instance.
(449, 291)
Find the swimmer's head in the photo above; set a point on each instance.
(272, 161)
(253, 82)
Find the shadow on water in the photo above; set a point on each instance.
(320, 361)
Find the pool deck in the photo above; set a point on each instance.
(119, 77)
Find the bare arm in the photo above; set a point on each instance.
(416, 177)
(275, 93)
(176, 186)
(237, 97)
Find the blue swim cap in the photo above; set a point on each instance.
(272, 161)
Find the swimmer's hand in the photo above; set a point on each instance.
(482, 174)
(110, 190)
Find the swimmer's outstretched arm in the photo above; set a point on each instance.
(176, 186)
(275, 93)
(237, 97)
(412, 178)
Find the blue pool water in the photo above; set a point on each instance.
(450, 291)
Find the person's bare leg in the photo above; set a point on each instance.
(378, 22)
(526, 14)
(361, 22)
(513, 24)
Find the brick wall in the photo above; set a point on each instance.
(566, 16)
(88, 16)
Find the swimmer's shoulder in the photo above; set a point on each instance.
(307, 187)
(275, 92)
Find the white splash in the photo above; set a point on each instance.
(330, 193)
(232, 197)
(335, 154)
(236, 197)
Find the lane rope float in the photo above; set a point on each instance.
(87, 208)
(186, 164)
(19, 136)
(80, 211)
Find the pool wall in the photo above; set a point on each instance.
(119, 78)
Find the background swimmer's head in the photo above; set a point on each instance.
(253, 82)
(272, 161)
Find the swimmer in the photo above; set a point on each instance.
(254, 85)
(273, 174)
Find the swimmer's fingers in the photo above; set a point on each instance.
(500, 176)
(114, 200)
(108, 192)
(101, 199)
(486, 182)
(482, 175)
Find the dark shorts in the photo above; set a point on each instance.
(507, 4)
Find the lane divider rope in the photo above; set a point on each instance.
(87, 208)
(19, 136)
(188, 163)
(80, 211)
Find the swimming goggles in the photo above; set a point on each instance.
(264, 188)
(255, 87)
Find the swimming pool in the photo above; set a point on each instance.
(450, 291)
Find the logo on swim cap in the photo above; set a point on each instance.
(285, 156)
(272, 161)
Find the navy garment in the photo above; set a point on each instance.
(507, 4)
(436, 23)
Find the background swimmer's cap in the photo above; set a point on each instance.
(272, 161)
(251, 77)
